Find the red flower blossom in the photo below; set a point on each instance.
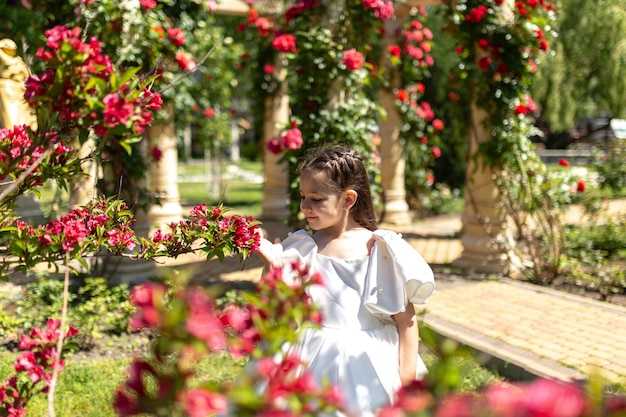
(264, 26)
(156, 153)
(200, 403)
(402, 95)
(580, 186)
(483, 43)
(521, 109)
(177, 36)
(269, 69)
(117, 110)
(563, 162)
(394, 50)
(209, 112)
(274, 146)
(436, 151)
(353, 59)
(476, 14)
(438, 124)
(148, 4)
(184, 61)
(291, 140)
(484, 63)
(284, 43)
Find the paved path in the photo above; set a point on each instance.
(532, 329)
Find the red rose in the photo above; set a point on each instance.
(274, 146)
(284, 43)
(476, 14)
(438, 124)
(394, 50)
(436, 151)
(402, 95)
(563, 162)
(177, 36)
(353, 59)
(269, 69)
(484, 63)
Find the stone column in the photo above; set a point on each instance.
(486, 243)
(275, 192)
(396, 210)
(163, 175)
(85, 189)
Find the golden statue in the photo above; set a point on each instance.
(14, 110)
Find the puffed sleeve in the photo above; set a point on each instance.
(397, 274)
(299, 247)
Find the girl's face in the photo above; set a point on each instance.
(322, 206)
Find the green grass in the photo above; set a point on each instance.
(242, 196)
(87, 388)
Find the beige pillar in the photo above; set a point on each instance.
(275, 186)
(163, 175)
(396, 210)
(85, 189)
(486, 243)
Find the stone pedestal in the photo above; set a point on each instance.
(484, 235)
(396, 209)
(275, 187)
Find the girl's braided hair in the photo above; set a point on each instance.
(343, 170)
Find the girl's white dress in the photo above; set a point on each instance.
(357, 347)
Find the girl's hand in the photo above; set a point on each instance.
(271, 253)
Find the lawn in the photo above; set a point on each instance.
(86, 388)
(239, 187)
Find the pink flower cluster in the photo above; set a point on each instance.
(68, 86)
(82, 231)
(382, 9)
(219, 235)
(18, 152)
(189, 324)
(541, 397)
(290, 141)
(288, 384)
(36, 363)
(416, 40)
(495, 57)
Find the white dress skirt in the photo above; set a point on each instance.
(356, 348)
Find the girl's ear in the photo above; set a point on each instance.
(351, 197)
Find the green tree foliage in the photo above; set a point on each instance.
(585, 75)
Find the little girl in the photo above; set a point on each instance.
(368, 343)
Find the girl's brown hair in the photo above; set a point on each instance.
(344, 170)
